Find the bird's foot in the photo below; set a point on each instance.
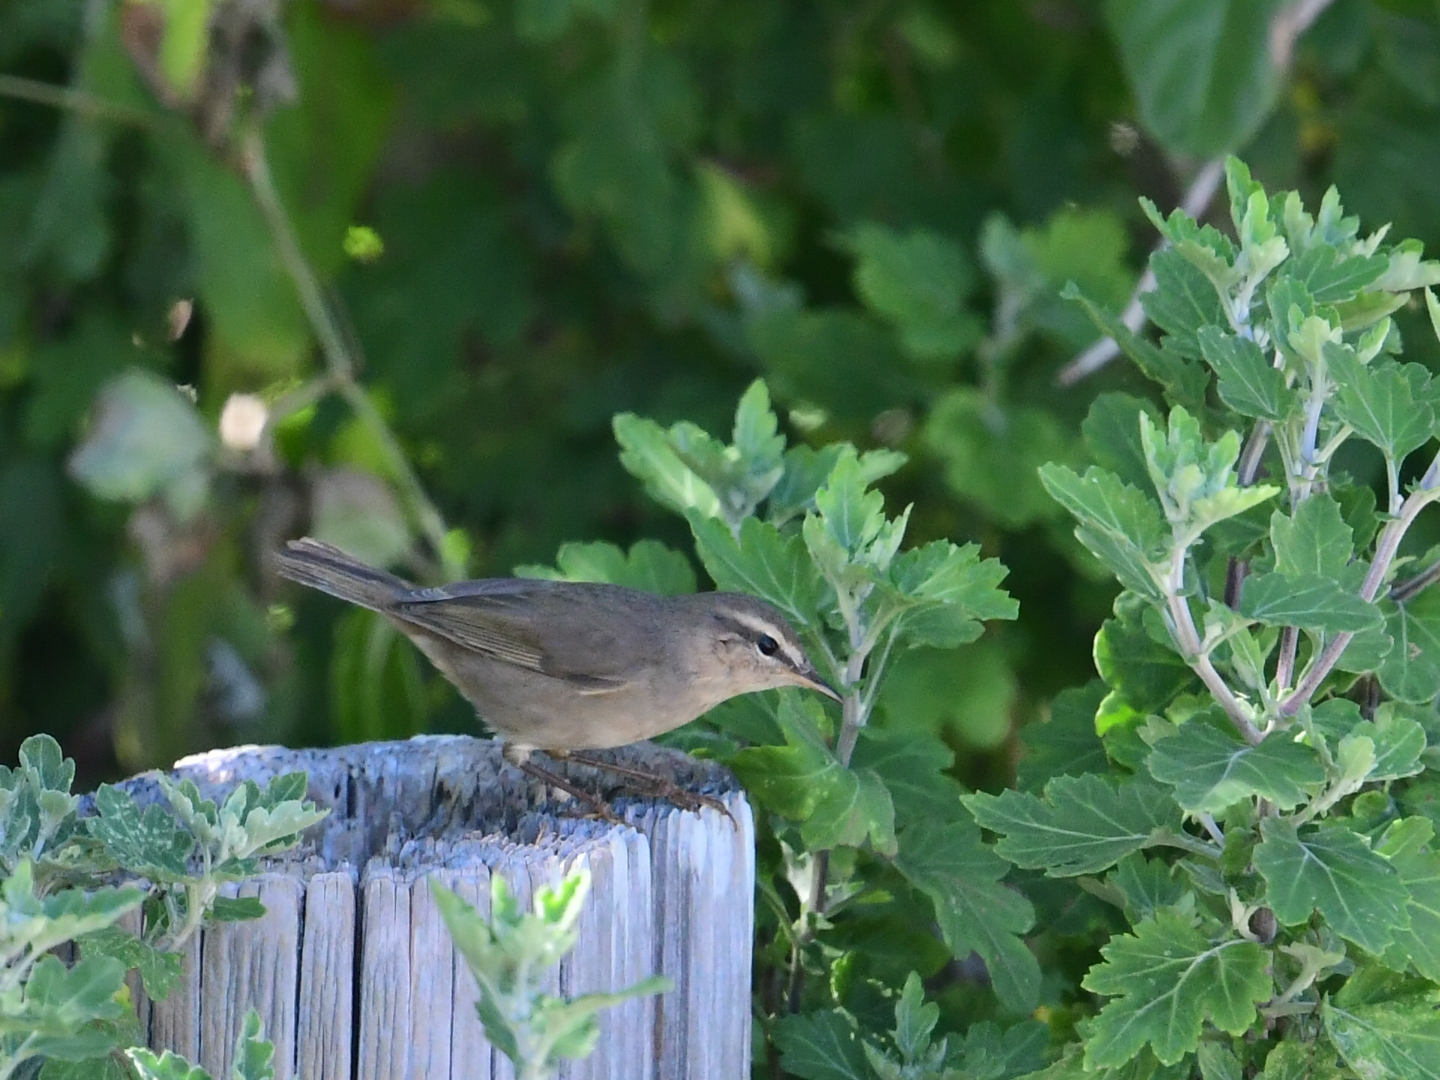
(598, 807)
(655, 785)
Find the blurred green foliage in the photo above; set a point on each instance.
(522, 217)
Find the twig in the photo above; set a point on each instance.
(1288, 24)
(71, 100)
(1197, 199)
(338, 359)
(1405, 590)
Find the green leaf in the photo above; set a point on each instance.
(1313, 540)
(1247, 383)
(649, 565)
(1066, 744)
(992, 453)
(1399, 741)
(1185, 300)
(1410, 671)
(1112, 433)
(1148, 885)
(1118, 524)
(1083, 825)
(1407, 844)
(236, 908)
(253, 1052)
(912, 765)
(1141, 670)
(159, 970)
(145, 438)
(1334, 871)
(1309, 601)
(1399, 1039)
(821, 1045)
(150, 845)
(1168, 980)
(950, 864)
(1380, 404)
(763, 562)
(1184, 381)
(1210, 767)
(647, 453)
(917, 281)
(168, 1066)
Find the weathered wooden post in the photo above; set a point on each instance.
(351, 968)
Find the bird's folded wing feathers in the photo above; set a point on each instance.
(486, 617)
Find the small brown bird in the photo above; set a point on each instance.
(566, 666)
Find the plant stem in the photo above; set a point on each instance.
(1385, 552)
(338, 359)
(71, 100)
(1188, 638)
(1197, 198)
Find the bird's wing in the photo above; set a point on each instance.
(512, 621)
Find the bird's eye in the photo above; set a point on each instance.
(767, 645)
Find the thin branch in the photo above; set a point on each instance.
(338, 358)
(1197, 199)
(1405, 590)
(1288, 24)
(71, 100)
(1285, 29)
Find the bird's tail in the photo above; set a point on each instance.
(325, 567)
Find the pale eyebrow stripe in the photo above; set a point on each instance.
(751, 625)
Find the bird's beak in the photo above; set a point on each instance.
(811, 678)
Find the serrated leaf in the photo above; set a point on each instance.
(1083, 825)
(1168, 980)
(1381, 406)
(647, 454)
(1147, 885)
(649, 565)
(1184, 299)
(168, 1066)
(917, 281)
(1309, 601)
(763, 562)
(1407, 844)
(1144, 673)
(254, 1054)
(159, 970)
(1211, 768)
(987, 1053)
(820, 1046)
(852, 807)
(1399, 741)
(1314, 539)
(1066, 744)
(1247, 383)
(1399, 1039)
(1185, 382)
(149, 844)
(1331, 870)
(912, 765)
(1410, 671)
(950, 864)
(1112, 433)
(1118, 524)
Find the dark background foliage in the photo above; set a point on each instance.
(529, 215)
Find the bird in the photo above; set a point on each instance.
(565, 667)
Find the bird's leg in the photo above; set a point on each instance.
(520, 758)
(657, 785)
